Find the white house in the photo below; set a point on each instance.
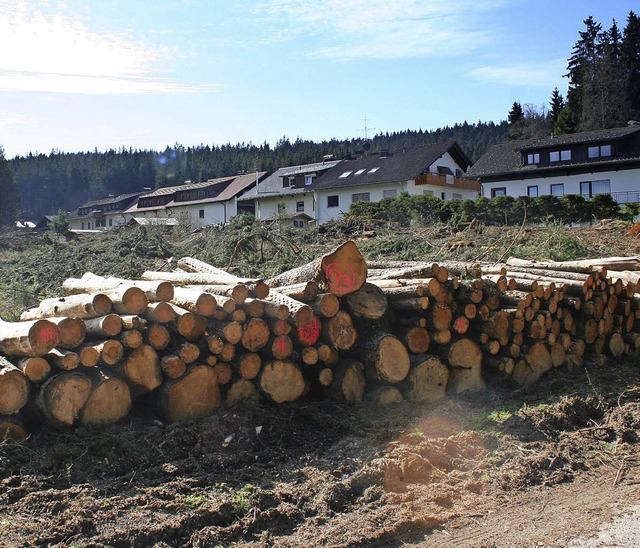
(104, 213)
(589, 163)
(287, 193)
(197, 204)
(435, 169)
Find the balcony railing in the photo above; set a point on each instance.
(448, 180)
(625, 197)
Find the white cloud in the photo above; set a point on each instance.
(523, 73)
(53, 50)
(379, 29)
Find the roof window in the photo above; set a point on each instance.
(360, 172)
(345, 174)
(374, 169)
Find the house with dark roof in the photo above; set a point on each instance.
(603, 161)
(212, 202)
(287, 193)
(435, 169)
(104, 213)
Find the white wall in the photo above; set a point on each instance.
(621, 181)
(214, 213)
(267, 206)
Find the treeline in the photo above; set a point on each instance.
(604, 85)
(406, 209)
(47, 183)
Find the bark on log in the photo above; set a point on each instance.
(157, 336)
(103, 326)
(339, 331)
(242, 393)
(72, 331)
(255, 334)
(304, 292)
(281, 381)
(74, 306)
(427, 379)
(172, 366)
(238, 292)
(465, 361)
(35, 369)
(585, 265)
(369, 302)
(142, 368)
(28, 338)
(257, 287)
(91, 283)
(131, 338)
(193, 396)
(66, 360)
(109, 401)
(385, 357)
(12, 428)
(14, 388)
(325, 305)
(62, 397)
(348, 381)
(161, 312)
(188, 324)
(341, 271)
(198, 302)
(299, 313)
(247, 365)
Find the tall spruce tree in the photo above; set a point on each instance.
(556, 104)
(631, 63)
(516, 121)
(8, 192)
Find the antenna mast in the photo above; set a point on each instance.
(366, 129)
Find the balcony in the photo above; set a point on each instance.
(448, 181)
(626, 197)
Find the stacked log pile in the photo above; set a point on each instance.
(339, 327)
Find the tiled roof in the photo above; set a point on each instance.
(272, 185)
(111, 199)
(506, 158)
(233, 186)
(375, 168)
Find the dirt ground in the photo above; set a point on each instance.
(547, 466)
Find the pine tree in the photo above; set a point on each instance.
(631, 63)
(516, 121)
(8, 192)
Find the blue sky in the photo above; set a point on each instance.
(76, 75)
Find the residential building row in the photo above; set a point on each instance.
(588, 163)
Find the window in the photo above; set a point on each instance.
(308, 179)
(374, 169)
(557, 189)
(82, 226)
(597, 151)
(292, 181)
(532, 191)
(456, 196)
(201, 214)
(282, 207)
(345, 174)
(443, 195)
(360, 197)
(557, 155)
(285, 182)
(360, 172)
(589, 189)
(500, 191)
(298, 224)
(389, 193)
(332, 201)
(110, 222)
(299, 206)
(533, 158)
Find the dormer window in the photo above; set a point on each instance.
(599, 151)
(308, 179)
(533, 158)
(559, 155)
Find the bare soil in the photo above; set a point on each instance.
(540, 467)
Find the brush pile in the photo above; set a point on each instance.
(340, 327)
